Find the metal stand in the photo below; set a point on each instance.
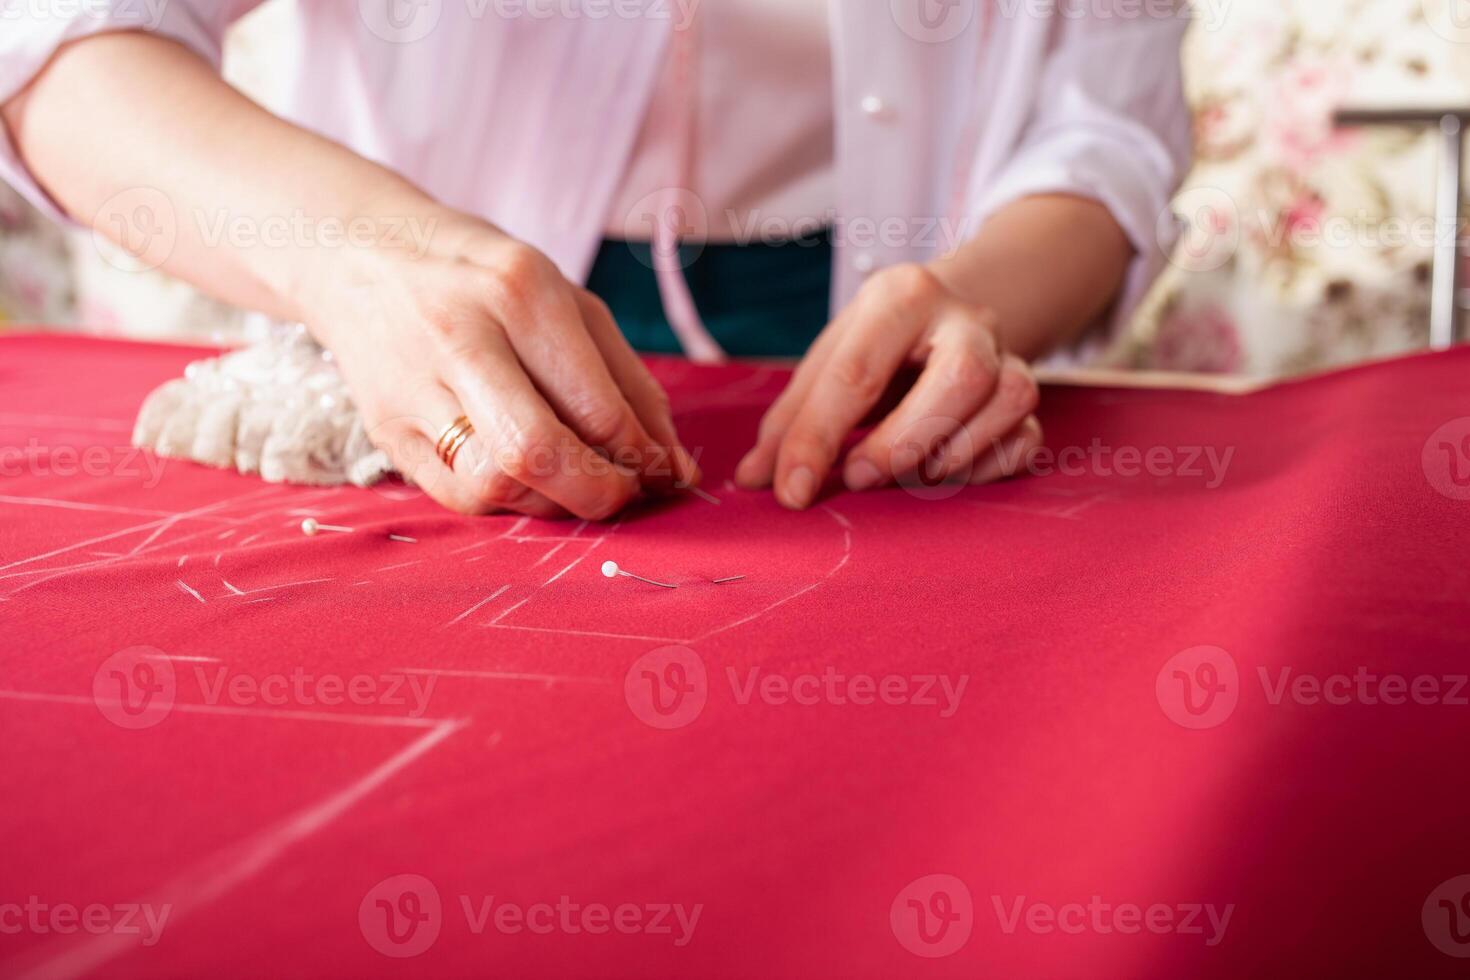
(1444, 310)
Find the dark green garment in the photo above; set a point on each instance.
(760, 300)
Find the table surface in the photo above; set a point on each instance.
(1061, 726)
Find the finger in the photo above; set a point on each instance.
(885, 326)
(409, 441)
(671, 463)
(1010, 455)
(547, 333)
(758, 467)
(1015, 397)
(959, 376)
(452, 490)
(526, 441)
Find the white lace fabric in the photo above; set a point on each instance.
(279, 409)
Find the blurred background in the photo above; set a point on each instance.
(1305, 246)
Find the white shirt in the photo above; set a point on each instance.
(763, 150)
(943, 110)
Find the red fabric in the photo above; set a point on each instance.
(271, 831)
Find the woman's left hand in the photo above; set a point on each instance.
(968, 418)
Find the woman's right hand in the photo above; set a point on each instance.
(567, 419)
(467, 321)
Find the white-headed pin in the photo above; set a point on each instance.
(311, 526)
(611, 570)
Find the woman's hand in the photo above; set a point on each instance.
(567, 419)
(967, 418)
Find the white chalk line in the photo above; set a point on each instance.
(559, 574)
(569, 632)
(506, 612)
(547, 557)
(592, 545)
(185, 707)
(167, 525)
(224, 871)
(63, 422)
(169, 520)
(1069, 512)
(837, 517)
(283, 585)
(402, 564)
(99, 508)
(115, 558)
(489, 598)
(498, 675)
(846, 554)
(515, 528)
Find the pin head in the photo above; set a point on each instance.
(610, 569)
(309, 526)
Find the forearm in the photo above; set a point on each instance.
(250, 204)
(1049, 267)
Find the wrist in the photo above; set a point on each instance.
(354, 257)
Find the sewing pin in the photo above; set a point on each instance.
(611, 570)
(311, 526)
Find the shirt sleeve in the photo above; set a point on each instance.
(1110, 124)
(30, 34)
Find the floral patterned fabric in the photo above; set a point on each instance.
(1304, 246)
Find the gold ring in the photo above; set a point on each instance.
(451, 438)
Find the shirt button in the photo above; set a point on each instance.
(864, 262)
(873, 106)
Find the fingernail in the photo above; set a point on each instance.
(861, 474)
(799, 489)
